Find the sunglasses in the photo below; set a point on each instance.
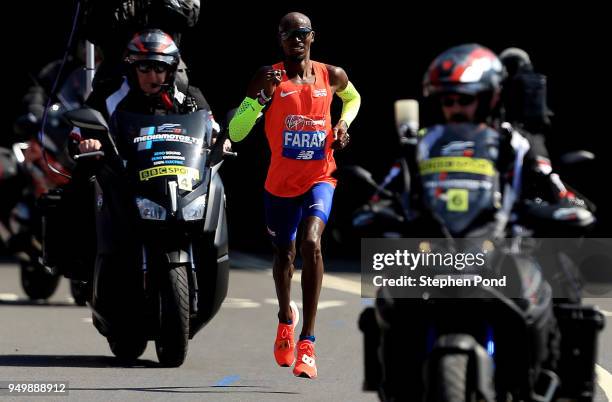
(462, 100)
(300, 33)
(147, 67)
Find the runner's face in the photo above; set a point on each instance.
(296, 39)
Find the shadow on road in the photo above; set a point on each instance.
(37, 303)
(204, 389)
(72, 361)
(241, 260)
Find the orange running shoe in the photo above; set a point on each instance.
(284, 345)
(305, 366)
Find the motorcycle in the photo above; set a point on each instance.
(491, 345)
(31, 177)
(162, 261)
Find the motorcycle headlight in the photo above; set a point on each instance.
(150, 210)
(195, 209)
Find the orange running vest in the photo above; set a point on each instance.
(299, 131)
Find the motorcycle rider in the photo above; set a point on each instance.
(148, 87)
(463, 87)
(148, 101)
(110, 24)
(466, 82)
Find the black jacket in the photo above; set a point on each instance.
(121, 96)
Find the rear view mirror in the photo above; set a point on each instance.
(574, 157)
(407, 118)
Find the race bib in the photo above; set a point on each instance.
(304, 137)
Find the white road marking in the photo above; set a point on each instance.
(606, 313)
(341, 284)
(240, 303)
(87, 320)
(604, 379)
(322, 304)
(333, 282)
(8, 297)
(330, 303)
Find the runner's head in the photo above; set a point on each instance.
(296, 35)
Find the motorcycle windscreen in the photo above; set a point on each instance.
(70, 96)
(72, 93)
(457, 165)
(168, 147)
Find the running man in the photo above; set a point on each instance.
(297, 94)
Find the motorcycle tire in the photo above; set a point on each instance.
(451, 383)
(129, 348)
(171, 345)
(81, 292)
(37, 281)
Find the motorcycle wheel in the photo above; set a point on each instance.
(37, 281)
(81, 292)
(171, 345)
(128, 348)
(451, 384)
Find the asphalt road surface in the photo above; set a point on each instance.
(229, 360)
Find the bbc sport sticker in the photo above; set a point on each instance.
(169, 171)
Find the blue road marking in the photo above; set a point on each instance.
(225, 381)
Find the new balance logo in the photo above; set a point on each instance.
(305, 155)
(308, 360)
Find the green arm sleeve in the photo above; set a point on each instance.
(244, 119)
(351, 101)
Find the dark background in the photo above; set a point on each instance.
(385, 47)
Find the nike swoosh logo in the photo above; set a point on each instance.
(283, 94)
(314, 205)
